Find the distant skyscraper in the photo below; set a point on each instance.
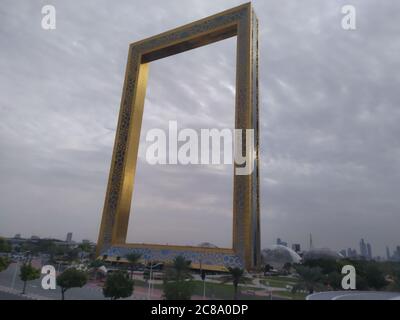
(343, 253)
(369, 251)
(363, 248)
(396, 254)
(311, 243)
(69, 237)
(387, 253)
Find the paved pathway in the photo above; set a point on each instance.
(354, 295)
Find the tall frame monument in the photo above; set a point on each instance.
(242, 22)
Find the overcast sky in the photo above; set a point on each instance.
(329, 114)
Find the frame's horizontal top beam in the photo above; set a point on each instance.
(185, 45)
(245, 6)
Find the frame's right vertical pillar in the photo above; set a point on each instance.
(246, 224)
(256, 250)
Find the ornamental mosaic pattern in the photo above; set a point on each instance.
(246, 231)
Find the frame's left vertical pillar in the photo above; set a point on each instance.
(114, 223)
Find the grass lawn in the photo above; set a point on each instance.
(290, 295)
(141, 283)
(213, 290)
(279, 282)
(225, 291)
(220, 290)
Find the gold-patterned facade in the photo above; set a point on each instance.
(241, 22)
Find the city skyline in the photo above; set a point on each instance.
(389, 249)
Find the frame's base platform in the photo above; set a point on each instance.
(207, 259)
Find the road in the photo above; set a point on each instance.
(354, 295)
(10, 296)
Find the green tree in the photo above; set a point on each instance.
(327, 265)
(177, 281)
(28, 273)
(236, 276)
(361, 283)
(71, 278)
(180, 269)
(178, 290)
(96, 263)
(375, 277)
(85, 247)
(309, 278)
(5, 245)
(334, 280)
(118, 285)
(287, 267)
(133, 259)
(396, 280)
(4, 263)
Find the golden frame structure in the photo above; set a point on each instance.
(242, 22)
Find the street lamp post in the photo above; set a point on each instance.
(269, 291)
(15, 275)
(203, 277)
(204, 289)
(150, 277)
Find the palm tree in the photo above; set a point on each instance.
(180, 269)
(397, 280)
(4, 263)
(236, 276)
(133, 259)
(177, 284)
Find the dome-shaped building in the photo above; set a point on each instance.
(322, 253)
(207, 245)
(277, 256)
